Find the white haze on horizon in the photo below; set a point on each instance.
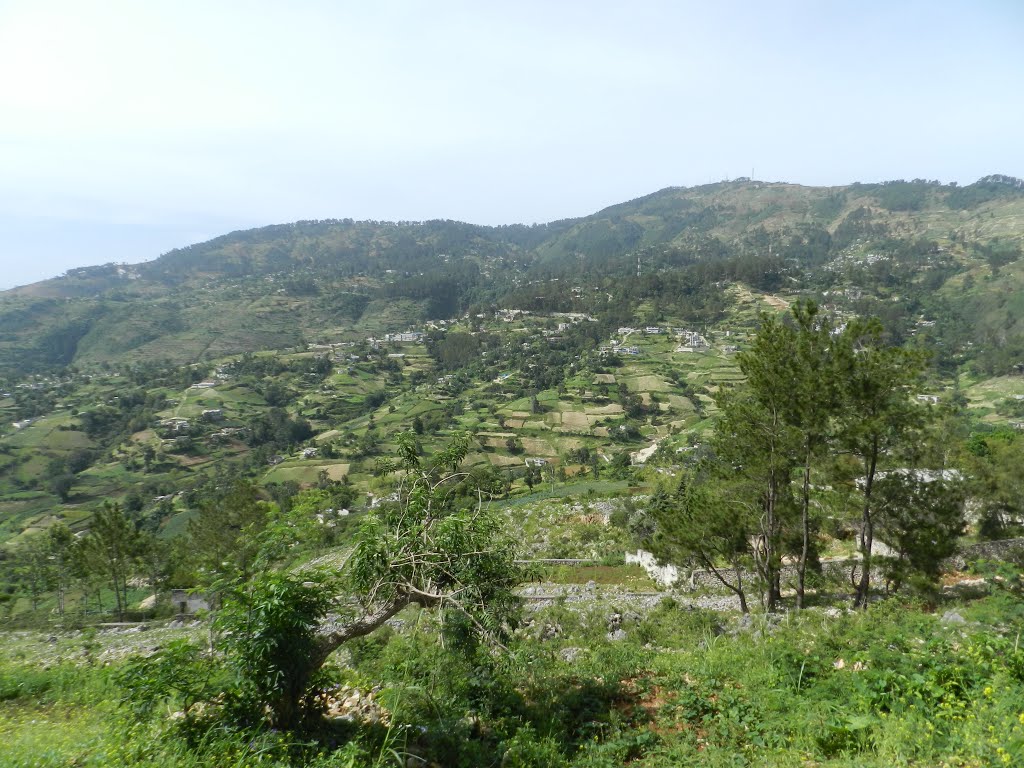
(128, 129)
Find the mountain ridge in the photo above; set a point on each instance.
(985, 184)
(220, 287)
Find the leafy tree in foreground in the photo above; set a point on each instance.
(179, 673)
(422, 550)
(270, 635)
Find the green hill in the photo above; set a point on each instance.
(274, 286)
(286, 328)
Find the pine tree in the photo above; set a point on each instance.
(111, 549)
(877, 384)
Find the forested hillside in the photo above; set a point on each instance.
(950, 250)
(725, 475)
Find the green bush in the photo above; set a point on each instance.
(269, 636)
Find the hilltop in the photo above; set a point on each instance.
(274, 287)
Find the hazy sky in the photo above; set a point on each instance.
(130, 128)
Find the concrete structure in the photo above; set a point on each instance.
(187, 603)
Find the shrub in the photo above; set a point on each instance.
(269, 637)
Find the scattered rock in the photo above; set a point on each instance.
(952, 617)
(570, 654)
(348, 703)
(547, 631)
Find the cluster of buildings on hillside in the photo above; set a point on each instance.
(417, 336)
(338, 349)
(688, 337)
(511, 315)
(619, 349)
(176, 425)
(690, 341)
(407, 337)
(179, 425)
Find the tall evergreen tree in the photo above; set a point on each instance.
(810, 409)
(59, 544)
(879, 413)
(755, 437)
(756, 446)
(112, 548)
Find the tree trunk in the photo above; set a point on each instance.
(805, 525)
(739, 589)
(736, 589)
(866, 531)
(287, 709)
(117, 597)
(331, 641)
(772, 557)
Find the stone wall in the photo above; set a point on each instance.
(665, 575)
(843, 570)
(984, 550)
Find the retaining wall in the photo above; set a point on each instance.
(843, 570)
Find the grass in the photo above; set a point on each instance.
(677, 686)
(305, 474)
(53, 736)
(986, 394)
